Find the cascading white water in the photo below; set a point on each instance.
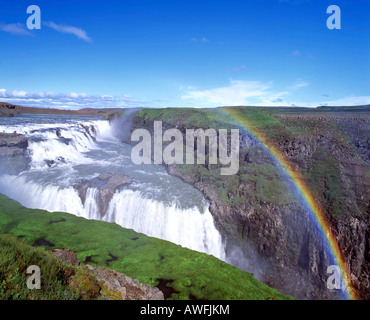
(156, 204)
(187, 227)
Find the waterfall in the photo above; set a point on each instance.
(187, 227)
(65, 152)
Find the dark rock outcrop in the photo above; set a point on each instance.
(107, 185)
(82, 189)
(107, 190)
(12, 145)
(13, 153)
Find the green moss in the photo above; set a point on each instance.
(109, 294)
(86, 285)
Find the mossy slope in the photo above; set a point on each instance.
(185, 273)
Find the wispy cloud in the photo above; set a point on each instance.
(236, 93)
(299, 84)
(202, 39)
(72, 100)
(296, 53)
(78, 32)
(18, 29)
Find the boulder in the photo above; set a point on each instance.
(66, 255)
(12, 144)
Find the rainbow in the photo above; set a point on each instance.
(307, 198)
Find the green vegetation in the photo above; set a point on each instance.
(263, 120)
(59, 280)
(186, 273)
(325, 178)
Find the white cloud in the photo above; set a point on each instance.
(298, 85)
(70, 100)
(78, 32)
(236, 93)
(15, 28)
(19, 94)
(296, 53)
(257, 93)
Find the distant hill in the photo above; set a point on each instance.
(8, 110)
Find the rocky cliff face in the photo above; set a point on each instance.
(269, 231)
(343, 142)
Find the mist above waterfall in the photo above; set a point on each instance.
(121, 125)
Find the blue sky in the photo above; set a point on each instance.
(170, 53)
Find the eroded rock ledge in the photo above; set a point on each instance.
(113, 285)
(111, 182)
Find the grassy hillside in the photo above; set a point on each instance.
(180, 272)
